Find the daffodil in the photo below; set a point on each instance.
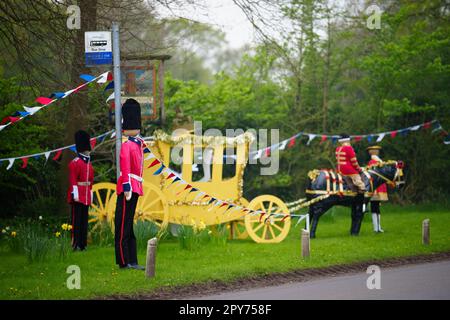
(64, 226)
(69, 227)
(57, 234)
(3, 230)
(7, 228)
(202, 226)
(13, 234)
(40, 217)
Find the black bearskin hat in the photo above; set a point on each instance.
(82, 141)
(131, 113)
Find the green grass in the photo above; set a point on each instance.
(100, 276)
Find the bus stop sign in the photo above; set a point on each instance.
(98, 48)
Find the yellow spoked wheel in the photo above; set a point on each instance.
(266, 228)
(153, 206)
(103, 204)
(237, 227)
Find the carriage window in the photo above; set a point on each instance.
(176, 159)
(202, 164)
(229, 163)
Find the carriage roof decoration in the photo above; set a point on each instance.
(163, 202)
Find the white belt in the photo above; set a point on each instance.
(135, 177)
(84, 183)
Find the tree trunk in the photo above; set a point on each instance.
(78, 102)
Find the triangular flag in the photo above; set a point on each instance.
(415, 128)
(323, 139)
(149, 156)
(393, 133)
(68, 93)
(170, 176)
(193, 190)
(3, 127)
(113, 134)
(267, 152)
(369, 138)
(310, 138)
(175, 180)
(47, 154)
(73, 148)
(404, 132)
(111, 97)
(14, 119)
(93, 143)
(381, 136)
(11, 162)
(57, 95)
(159, 170)
(87, 77)
(21, 113)
(291, 142)
(154, 163)
(32, 110)
(57, 155)
(43, 100)
(357, 138)
(24, 162)
(258, 154)
(427, 125)
(283, 145)
(103, 77)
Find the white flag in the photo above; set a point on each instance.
(311, 138)
(3, 127)
(11, 162)
(258, 154)
(111, 96)
(103, 77)
(32, 110)
(283, 144)
(381, 136)
(47, 154)
(113, 134)
(150, 156)
(415, 128)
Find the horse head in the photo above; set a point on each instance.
(390, 172)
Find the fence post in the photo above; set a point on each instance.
(305, 244)
(426, 231)
(151, 258)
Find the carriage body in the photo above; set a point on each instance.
(166, 202)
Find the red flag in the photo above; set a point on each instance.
(43, 100)
(109, 77)
(187, 187)
(358, 138)
(291, 142)
(57, 155)
(5, 120)
(93, 143)
(14, 119)
(394, 133)
(427, 125)
(24, 163)
(223, 204)
(268, 152)
(205, 196)
(170, 176)
(154, 163)
(324, 137)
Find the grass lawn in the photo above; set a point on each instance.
(100, 276)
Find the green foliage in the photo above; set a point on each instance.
(145, 230)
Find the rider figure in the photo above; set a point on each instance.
(347, 164)
(380, 194)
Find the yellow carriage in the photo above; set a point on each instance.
(164, 202)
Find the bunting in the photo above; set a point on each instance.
(46, 101)
(55, 152)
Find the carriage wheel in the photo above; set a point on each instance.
(237, 227)
(153, 206)
(103, 204)
(265, 229)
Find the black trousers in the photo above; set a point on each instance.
(79, 225)
(375, 207)
(125, 241)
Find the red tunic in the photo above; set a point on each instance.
(383, 188)
(81, 177)
(131, 166)
(347, 163)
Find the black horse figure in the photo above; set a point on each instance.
(335, 190)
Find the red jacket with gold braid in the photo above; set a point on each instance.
(347, 163)
(131, 166)
(383, 188)
(81, 177)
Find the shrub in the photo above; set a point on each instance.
(145, 230)
(102, 235)
(36, 242)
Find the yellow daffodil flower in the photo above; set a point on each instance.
(13, 234)
(57, 234)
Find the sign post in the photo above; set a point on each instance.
(117, 95)
(97, 45)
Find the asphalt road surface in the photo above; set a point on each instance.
(420, 281)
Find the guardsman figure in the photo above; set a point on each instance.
(380, 193)
(129, 186)
(81, 177)
(347, 166)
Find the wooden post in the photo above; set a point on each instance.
(305, 244)
(426, 231)
(151, 258)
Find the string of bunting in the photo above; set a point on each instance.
(372, 137)
(56, 96)
(55, 152)
(212, 202)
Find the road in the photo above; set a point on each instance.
(420, 281)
